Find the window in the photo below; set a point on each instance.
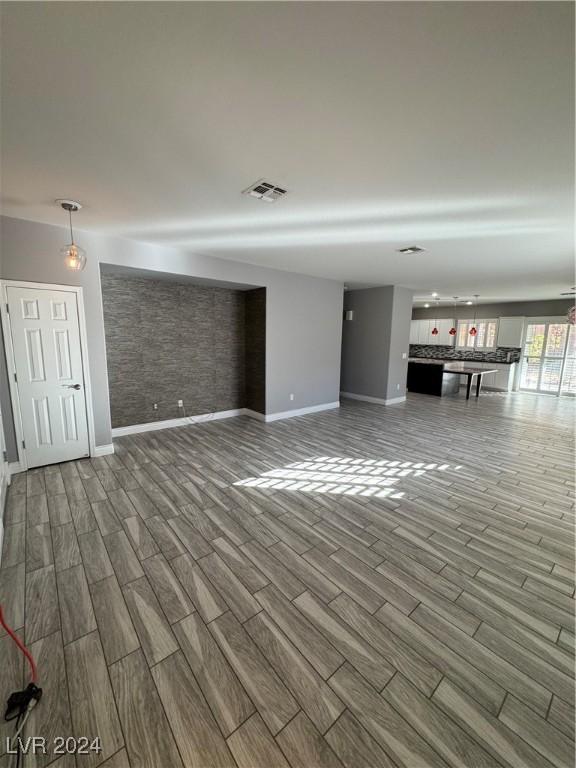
(484, 339)
(549, 359)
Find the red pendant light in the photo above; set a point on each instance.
(452, 330)
(434, 330)
(473, 331)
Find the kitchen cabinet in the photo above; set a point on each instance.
(424, 328)
(421, 332)
(510, 331)
(444, 337)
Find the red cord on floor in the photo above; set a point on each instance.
(21, 646)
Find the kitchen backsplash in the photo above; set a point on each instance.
(498, 355)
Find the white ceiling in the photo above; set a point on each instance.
(447, 125)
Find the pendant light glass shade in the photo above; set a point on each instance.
(74, 257)
(473, 331)
(434, 330)
(452, 330)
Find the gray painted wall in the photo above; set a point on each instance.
(168, 341)
(510, 309)
(303, 314)
(365, 342)
(375, 340)
(399, 342)
(31, 252)
(6, 404)
(6, 419)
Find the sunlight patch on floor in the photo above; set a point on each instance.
(343, 476)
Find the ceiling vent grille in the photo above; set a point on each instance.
(264, 190)
(411, 249)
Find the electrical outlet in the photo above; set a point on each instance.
(180, 403)
(397, 386)
(404, 355)
(291, 395)
(154, 406)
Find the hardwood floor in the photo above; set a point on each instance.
(365, 587)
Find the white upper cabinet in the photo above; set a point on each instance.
(510, 331)
(424, 328)
(421, 332)
(444, 337)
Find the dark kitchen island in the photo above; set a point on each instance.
(434, 377)
(428, 377)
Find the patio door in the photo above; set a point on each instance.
(549, 358)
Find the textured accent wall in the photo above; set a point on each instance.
(438, 352)
(168, 341)
(255, 350)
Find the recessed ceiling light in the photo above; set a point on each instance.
(426, 305)
(469, 303)
(434, 294)
(411, 249)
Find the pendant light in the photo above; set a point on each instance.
(473, 331)
(452, 330)
(74, 256)
(435, 329)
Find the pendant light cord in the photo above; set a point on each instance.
(71, 232)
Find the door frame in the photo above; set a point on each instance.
(547, 321)
(10, 360)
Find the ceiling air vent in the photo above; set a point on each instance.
(411, 249)
(263, 190)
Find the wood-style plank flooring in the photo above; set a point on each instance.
(364, 587)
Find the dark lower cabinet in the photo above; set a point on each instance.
(432, 379)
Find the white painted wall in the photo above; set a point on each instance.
(303, 314)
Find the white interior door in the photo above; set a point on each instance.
(45, 333)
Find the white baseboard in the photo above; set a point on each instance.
(183, 421)
(301, 411)
(395, 400)
(254, 414)
(14, 467)
(187, 420)
(103, 450)
(364, 398)
(377, 400)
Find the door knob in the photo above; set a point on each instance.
(71, 386)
